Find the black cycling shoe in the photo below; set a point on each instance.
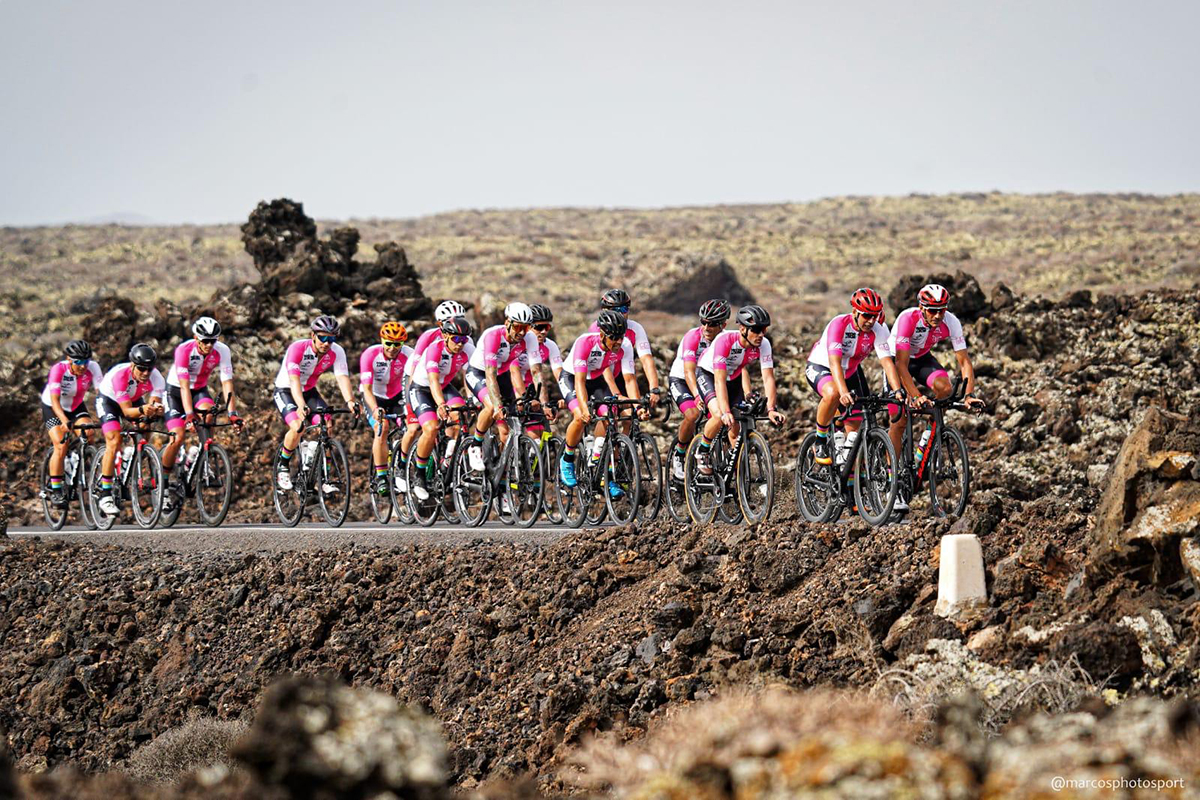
(58, 498)
(821, 452)
(381, 484)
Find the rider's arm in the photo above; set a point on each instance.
(966, 369)
(839, 377)
(889, 370)
(493, 386)
(230, 400)
(609, 378)
(768, 379)
(641, 343)
(341, 373)
(55, 382)
(689, 375)
(720, 379)
(343, 382)
(905, 377)
(185, 392)
(746, 386)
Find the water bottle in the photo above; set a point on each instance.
(308, 451)
(839, 441)
(190, 459)
(127, 454)
(921, 447)
(848, 445)
(588, 441)
(72, 465)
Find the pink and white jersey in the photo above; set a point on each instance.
(691, 347)
(588, 354)
(118, 384)
(494, 350)
(438, 359)
(71, 389)
(911, 333)
(382, 375)
(196, 368)
(300, 359)
(726, 352)
(423, 342)
(635, 333)
(841, 338)
(550, 354)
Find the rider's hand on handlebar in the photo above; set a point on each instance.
(236, 421)
(846, 399)
(302, 410)
(974, 403)
(727, 418)
(643, 412)
(655, 396)
(776, 417)
(443, 412)
(919, 401)
(585, 413)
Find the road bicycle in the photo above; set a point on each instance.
(650, 465)
(206, 473)
(75, 479)
(520, 471)
(441, 473)
(137, 477)
(823, 490)
(940, 458)
(607, 482)
(742, 483)
(383, 505)
(318, 467)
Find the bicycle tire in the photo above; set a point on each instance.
(673, 492)
(146, 482)
(817, 493)
(730, 509)
(570, 499)
(103, 521)
(755, 478)
(651, 469)
(84, 486)
(289, 503)
(698, 487)
(875, 481)
(424, 512)
(955, 450)
(398, 471)
(209, 475)
(551, 452)
(169, 518)
(525, 475)
(332, 469)
(381, 504)
(623, 470)
(54, 522)
(472, 490)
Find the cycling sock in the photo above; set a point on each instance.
(705, 442)
(285, 454)
(477, 436)
(680, 448)
(422, 462)
(380, 469)
(569, 453)
(823, 431)
(56, 481)
(106, 483)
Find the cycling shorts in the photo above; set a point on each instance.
(597, 390)
(111, 414)
(681, 393)
(706, 382)
(420, 401)
(287, 408)
(389, 405)
(926, 369)
(52, 421)
(818, 375)
(175, 416)
(477, 383)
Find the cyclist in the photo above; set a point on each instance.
(63, 406)
(682, 378)
(296, 385)
(587, 377)
(717, 377)
(187, 393)
(381, 381)
(122, 396)
(494, 374)
(430, 395)
(618, 300)
(833, 363)
(911, 343)
(543, 323)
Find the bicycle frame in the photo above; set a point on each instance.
(937, 421)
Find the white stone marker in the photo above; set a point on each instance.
(961, 584)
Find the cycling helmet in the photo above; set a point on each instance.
(326, 324)
(753, 316)
(447, 309)
(394, 331)
(518, 312)
(541, 313)
(715, 311)
(78, 349)
(143, 355)
(615, 298)
(933, 296)
(867, 301)
(456, 326)
(206, 328)
(612, 323)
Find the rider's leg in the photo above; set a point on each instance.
(58, 438)
(112, 443)
(171, 451)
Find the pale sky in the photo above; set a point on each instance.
(193, 112)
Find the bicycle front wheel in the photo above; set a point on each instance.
(651, 471)
(622, 483)
(381, 504)
(472, 490)
(950, 475)
(55, 517)
(551, 452)
(702, 491)
(289, 503)
(214, 484)
(525, 475)
(146, 486)
(756, 478)
(398, 485)
(875, 482)
(817, 493)
(332, 482)
(103, 521)
(83, 487)
(673, 490)
(423, 511)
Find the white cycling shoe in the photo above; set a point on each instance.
(108, 505)
(283, 480)
(475, 457)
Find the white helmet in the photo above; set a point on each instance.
(448, 309)
(518, 312)
(206, 328)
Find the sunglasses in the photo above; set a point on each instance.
(757, 328)
(459, 339)
(391, 343)
(621, 309)
(867, 316)
(207, 341)
(542, 326)
(327, 339)
(713, 324)
(935, 312)
(79, 362)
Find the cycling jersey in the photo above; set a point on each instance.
(589, 356)
(494, 350)
(382, 375)
(190, 364)
(301, 360)
(119, 386)
(841, 338)
(912, 334)
(550, 355)
(419, 349)
(639, 342)
(71, 389)
(727, 352)
(438, 358)
(691, 347)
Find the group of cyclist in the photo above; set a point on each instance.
(420, 387)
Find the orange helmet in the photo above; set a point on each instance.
(393, 331)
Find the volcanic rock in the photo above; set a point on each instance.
(675, 282)
(966, 297)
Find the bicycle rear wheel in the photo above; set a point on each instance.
(472, 490)
(673, 491)
(702, 492)
(551, 452)
(83, 487)
(875, 482)
(55, 517)
(146, 486)
(755, 478)
(103, 521)
(525, 475)
(424, 511)
(950, 475)
(651, 470)
(332, 482)
(170, 515)
(817, 493)
(289, 503)
(214, 484)
(398, 485)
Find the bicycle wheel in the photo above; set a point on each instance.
(570, 499)
(381, 504)
(169, 516)
(755, 478)
(146, 486)
(551, 452)
(621, 470)
(673, 491)
(472, 490)
(83, 487)
(875, 481)
(55, 517)
(332, 482)
(651, 470)
(103, 521)
(817, 493)
(702, 492)
(729, 510)
(950, 475)
(524, 476)
(214, 484)
(398, 477)
(289, 503)
(423, 511)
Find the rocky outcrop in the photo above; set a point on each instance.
(674, 282)
(967, 300)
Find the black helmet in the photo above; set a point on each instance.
(753, 316)
(541, 313)
(612, 324)
(615, 298)
(715, 311)
(327, 325)
(456, 326)
(78, 349)
(143, 355)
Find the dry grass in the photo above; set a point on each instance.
(195, 745)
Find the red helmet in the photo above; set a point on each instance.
(933, 296)
(867, 301)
